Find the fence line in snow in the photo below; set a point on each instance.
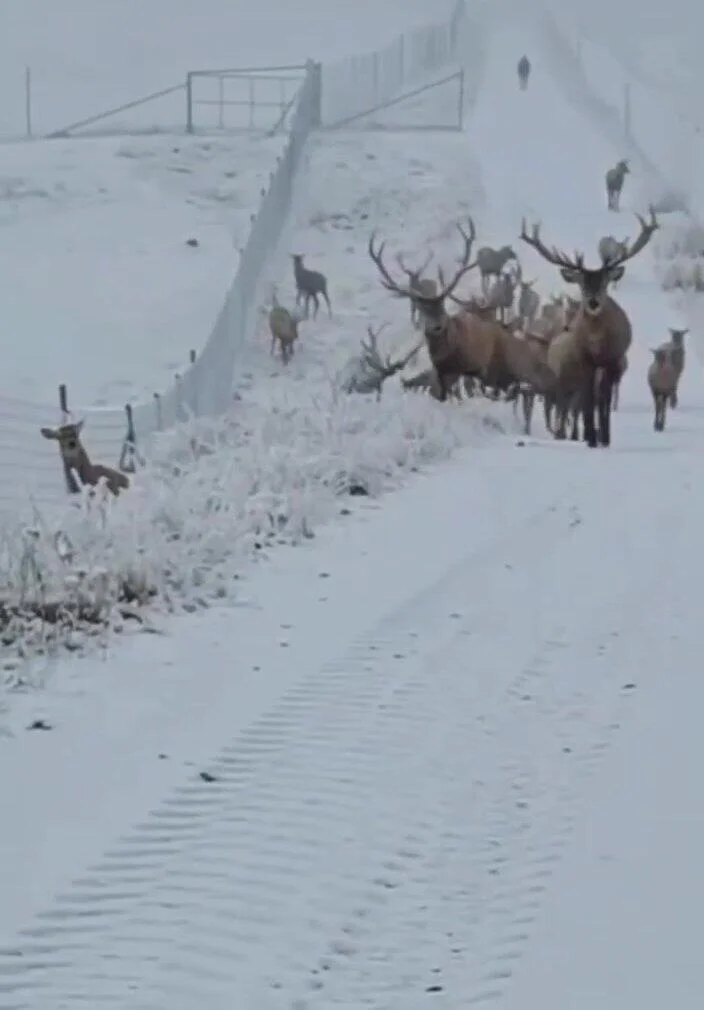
(29, 464)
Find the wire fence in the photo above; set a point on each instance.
(30, 470)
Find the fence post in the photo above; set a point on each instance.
(129, 454)
(158, 412)
(189, 102)
(375, 77)
(194, 402)
(63, 402)
(314, 73)
(460, 101)
(28, 102)
(627, 113)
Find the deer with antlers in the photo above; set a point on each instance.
(369, 371)
(599, 335)
(466, 344)
(419, 284)
(445, 335)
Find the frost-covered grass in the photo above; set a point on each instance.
(680, 256)
(213, 498)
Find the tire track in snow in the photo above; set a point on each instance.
(461, 933)
(317, 752)
(318, 835)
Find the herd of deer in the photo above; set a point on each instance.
(572, 352)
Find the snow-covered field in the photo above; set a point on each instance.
(100, 288)
(433, 752)
(89, 57)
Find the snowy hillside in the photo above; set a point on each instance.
(86, 58)
(100, 287)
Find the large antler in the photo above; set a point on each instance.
(377, 256)
(647, 230)
(385, 367)
(414, 275)
(554, 255)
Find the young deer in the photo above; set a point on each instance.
(615, 178)
(76, 462)
(309, 284)
(283, 326)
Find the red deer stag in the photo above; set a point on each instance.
(446, 336)
(600, 332)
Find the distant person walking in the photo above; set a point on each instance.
(523, 72)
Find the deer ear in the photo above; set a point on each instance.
(49, 432)
(79, 425)
(569, 275)
(616, 273)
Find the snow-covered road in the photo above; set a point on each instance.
(399, 764)
(417, 765)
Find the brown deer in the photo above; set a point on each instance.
(418, 284)
(445, 335)
(662, 379)
(76, 461)
(283, 326)
(600, 332)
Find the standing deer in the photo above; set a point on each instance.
(491, 263)
(523, 69)
(418, 284)
(309, 284)
(615, 178)
(503, 292)
(76, 461)
(445, 336)
(600, 334)
(675, 350)
(662, 379)
(466, 344)
(528, 304)
(283, 326)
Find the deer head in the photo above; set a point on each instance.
(593, 284)
(69, 438)
(678, 336)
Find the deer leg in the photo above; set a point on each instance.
(614, 397)
(673, 399)
(574, 413)
(561, 404)
(528, 397)
(316, 304)
(604, 393)
(327, 301)
(589, 405)
(442, 385)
